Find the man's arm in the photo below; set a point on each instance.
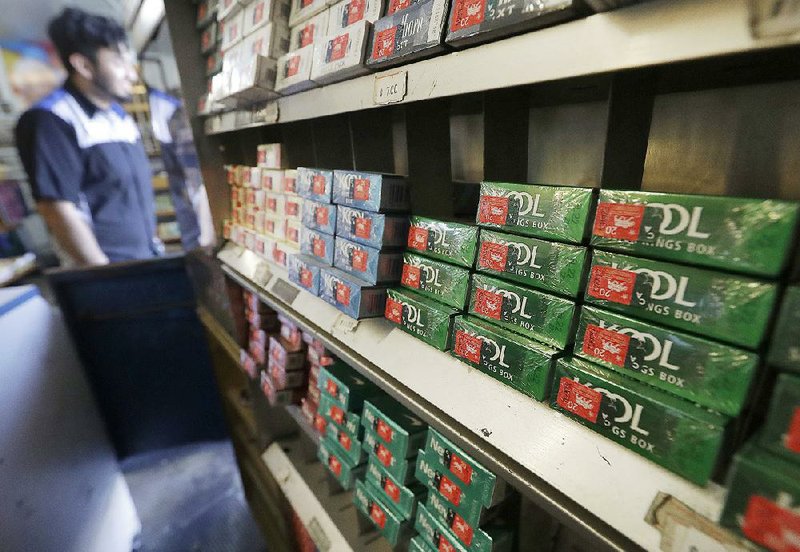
(72, 232)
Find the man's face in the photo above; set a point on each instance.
(115, 72)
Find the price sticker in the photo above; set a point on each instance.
(285, 291)
(267, 114)
(391, 88)
(772, 18)
(344, 324)
(318, 535)
(262, 274)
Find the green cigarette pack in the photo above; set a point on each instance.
(731, 308)
(545, 317)
(418, 544)
(784, 350)
(753, 236)
(388, 523)
(435, 477)
(350, 447)
(473, 477)
(552, 212)
(781, 432)
(763, 499)
(682, 437)
(469, 536)
(346, 386)
(435, 533)
(453, 242)
(708, 373)
(397, 428)
(421, 317)
(446, 283)
(400, 498)
(332, 410)
(333, 457)
(546, 265)
(399, 467)
(521, 363)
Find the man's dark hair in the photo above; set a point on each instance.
(76, 31)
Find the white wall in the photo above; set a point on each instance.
(165, 77)
(28, 20)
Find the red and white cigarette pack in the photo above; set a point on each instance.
(309, 32)
(294, 71)
(341, 56)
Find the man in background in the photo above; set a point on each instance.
(83, 154)
(186, 188)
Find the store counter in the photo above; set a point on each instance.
(144, 351)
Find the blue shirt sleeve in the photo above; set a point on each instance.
(48, 148)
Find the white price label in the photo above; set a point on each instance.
(267, 114)
(262, 275)
(390, 88)
(284, 291)
(318, 535)
(771, 18)
(344, 324)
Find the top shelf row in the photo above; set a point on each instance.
(649, 34)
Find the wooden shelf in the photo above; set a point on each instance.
(648, 34)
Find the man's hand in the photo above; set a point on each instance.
(71, 231)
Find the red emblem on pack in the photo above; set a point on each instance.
(493, 210)
(606, 345)
(468, 346)
(578, 399)
(612, 284)
(493, 256)
(488, 303)
(621, 221)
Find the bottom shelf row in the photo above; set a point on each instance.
(408, 482)
(439, 498)
(411, 484)
(363, 514)
(327, 517)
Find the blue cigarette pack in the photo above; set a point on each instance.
(318, 245)
(370, 191)
(353, 296)
(373, 229)
(304, 271)
(367, 263)
(315, 184)
(319, 216)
